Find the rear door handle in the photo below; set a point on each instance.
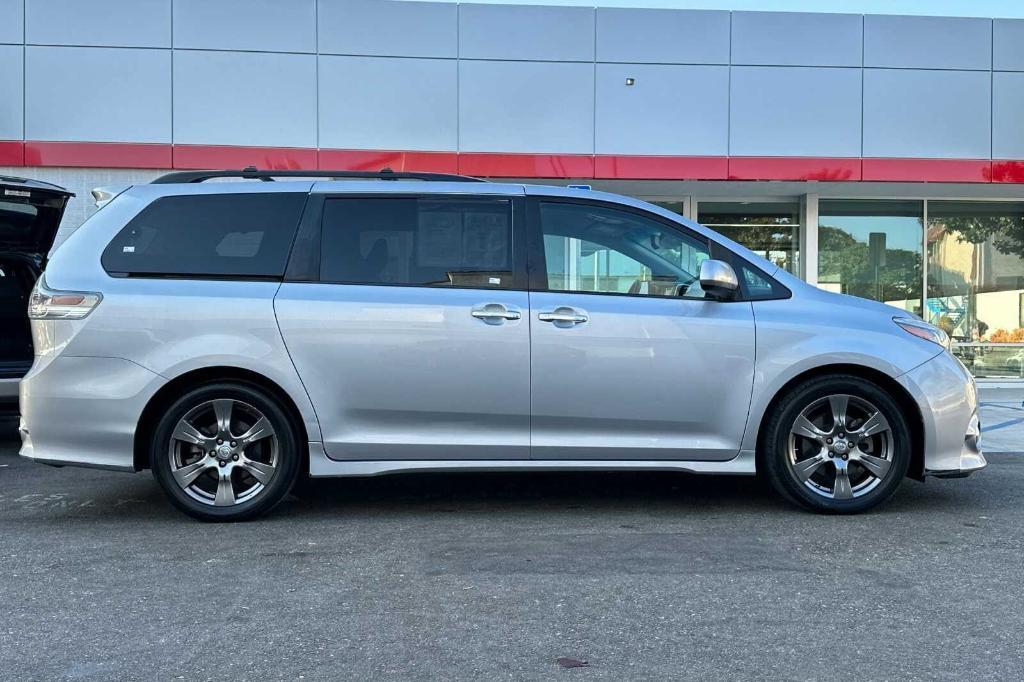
(495, 313)
(564, 315)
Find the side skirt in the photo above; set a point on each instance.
(321, 466)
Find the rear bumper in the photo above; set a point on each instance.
(83, 411)
(948, 397)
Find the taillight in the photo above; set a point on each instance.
(47, 304)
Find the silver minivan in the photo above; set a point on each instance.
(235, 330)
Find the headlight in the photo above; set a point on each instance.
(928, 332)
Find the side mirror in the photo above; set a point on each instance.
(718, 279)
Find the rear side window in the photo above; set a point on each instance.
(414, 241)
(243, 235)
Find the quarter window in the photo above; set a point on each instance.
(243, 235)
(413, 241)
(595, 249)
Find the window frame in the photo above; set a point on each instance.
(537, 259)
(304, 263)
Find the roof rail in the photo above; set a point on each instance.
(252, 173)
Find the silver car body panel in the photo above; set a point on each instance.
(408, 372)
(844, 333)
(642, 378)
(948, 397)
(90, 406)
(322, 466)
(163, 327)
(407, 379)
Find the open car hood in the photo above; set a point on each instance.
(30, 213)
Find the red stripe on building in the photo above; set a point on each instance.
(527, 165)
(661, 167)
(582, 166)
(794, 168)
(12, 153)
(433, 162)
(1008, 171)
(192, 156)
(98, 154)
(927, 170)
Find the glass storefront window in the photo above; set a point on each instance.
(674, 206)
(872, 249)
(770, 229)
(976, 282)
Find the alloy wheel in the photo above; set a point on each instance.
(840, 447)
(223, 452)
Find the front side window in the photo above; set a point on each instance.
(411, 241)
(596, 249)
(244, 235)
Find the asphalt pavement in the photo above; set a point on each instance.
(642, 576)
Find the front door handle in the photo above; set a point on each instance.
(564, 315)
(495, 313)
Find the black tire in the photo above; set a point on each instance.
(250, 401)
(780, 467)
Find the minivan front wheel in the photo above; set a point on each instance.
(225, 452)
(837, 444)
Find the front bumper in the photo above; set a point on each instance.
(948, 398)
(83, 411)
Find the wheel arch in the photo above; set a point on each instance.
(911, 410)
(195, 378)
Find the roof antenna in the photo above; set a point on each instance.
(385, 171)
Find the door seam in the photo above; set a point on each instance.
(291, 360)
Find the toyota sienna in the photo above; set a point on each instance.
(234, 330)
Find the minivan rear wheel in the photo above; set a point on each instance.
(837, 444)
(225, 451)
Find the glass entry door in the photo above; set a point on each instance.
(770, 229)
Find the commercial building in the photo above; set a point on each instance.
(880, 156)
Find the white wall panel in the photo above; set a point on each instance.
(388, 29)
(526, 107)
(927, 42)
(795, 111)
(526, 32)
(388, 103)
(98, 94)
(236, 98)
(1008, 45)
(272, 25)
(12, 21)
(796, 39)
(658, 114)
(662, 36)
(927, 114)
(1008, 116)
(11, 93)
(113, 23)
